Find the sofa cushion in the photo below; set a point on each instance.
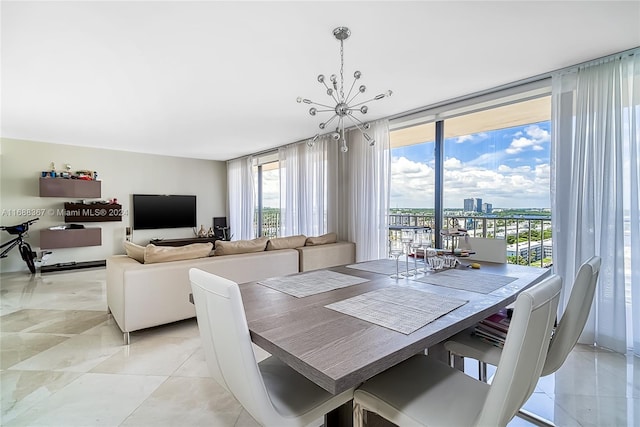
(154, 254)
(134, 251)
(240, 246)
(322, 240)
(290, 242)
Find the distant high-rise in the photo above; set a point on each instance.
(487, 208)
(478, 205)
(468, 205)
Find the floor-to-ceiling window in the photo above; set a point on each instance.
(494, 167)
(266, 173)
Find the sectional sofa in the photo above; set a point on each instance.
(156, 291)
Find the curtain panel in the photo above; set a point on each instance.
(303, 188)
(364, 176)
(241, 198)
(595, 185)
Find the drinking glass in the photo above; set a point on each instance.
(396, 248)
(407, 235)
(425, 243)
(415, 245)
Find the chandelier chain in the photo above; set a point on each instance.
(341, 70)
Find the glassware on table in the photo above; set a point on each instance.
(425, 243)
(407, 236)
(396, 248)
(450, 261)
(415, 245)
(436, 263)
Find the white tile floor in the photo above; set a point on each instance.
(63, 363)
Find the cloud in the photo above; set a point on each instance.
(452, 163)
(535, 137)
(476, 137)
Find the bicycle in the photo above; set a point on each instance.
(24, 247)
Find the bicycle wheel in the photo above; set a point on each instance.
(27, 256)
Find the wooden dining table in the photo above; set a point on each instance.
(338, 351)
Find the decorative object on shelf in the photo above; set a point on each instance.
(202, 232)
(344, 107)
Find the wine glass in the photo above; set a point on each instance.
(415, 245)
(407, 239)
(396, 248)
(425, 243)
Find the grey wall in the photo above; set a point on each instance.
(122, 174)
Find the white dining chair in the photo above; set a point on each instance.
(490, 250)
(565, 336)
(270, 391)
(423, 391)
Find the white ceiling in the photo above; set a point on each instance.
(218, 80)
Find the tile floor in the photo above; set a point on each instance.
(63, 363)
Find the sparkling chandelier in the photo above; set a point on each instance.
(344, 108)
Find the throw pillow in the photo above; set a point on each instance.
(240, 246)
(134, 251)
(154, 254)
(290, 242)
(322, 240)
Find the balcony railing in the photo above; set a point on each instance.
(528, 238)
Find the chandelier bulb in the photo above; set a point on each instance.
(363, 109)
(310, 143)
(366, 126)
(321, 125)
(333, 78)
(370, 140)
(389, 93)
(329, 91)
(306, 101)
(335, 136)
(313, 111)
(298, 100)
(362, 88)
(344, 147)
(321, 78)
(357, 75)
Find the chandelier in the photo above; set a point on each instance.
(345, 107)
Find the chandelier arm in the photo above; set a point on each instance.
(321, 105)
(324, 111)
(330, 120)
(356, 123)
(354, 97)
(354, 118)
(353, 107)
(332, 93)
(351, 89)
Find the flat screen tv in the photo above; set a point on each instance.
(152, 211)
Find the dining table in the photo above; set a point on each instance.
(313, 331)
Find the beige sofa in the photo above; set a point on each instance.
(141, 296)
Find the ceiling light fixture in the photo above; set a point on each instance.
(344, 104)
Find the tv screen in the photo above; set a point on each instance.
(151, 211)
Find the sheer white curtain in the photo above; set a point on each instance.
(363, 192)
(595, 184)
(241, 198)
(303, 188)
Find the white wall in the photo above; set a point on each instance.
(122, 174)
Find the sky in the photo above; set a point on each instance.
(508, 168)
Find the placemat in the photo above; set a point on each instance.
(311, 283)
(384, 266)
(398, 308)
(467, 280)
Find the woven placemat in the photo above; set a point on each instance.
(311, 283)
(383, 266)
(398, 308)
(467, 280)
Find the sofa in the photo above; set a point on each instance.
(144, 295)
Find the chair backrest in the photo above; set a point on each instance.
(575, 315)
(490, 250)
(227, 343)
(524, 353)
